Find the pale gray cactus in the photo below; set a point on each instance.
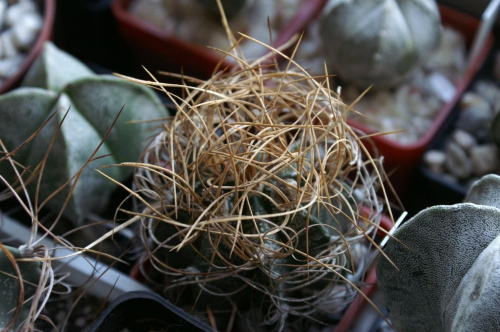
(379, 42)
(448, 274)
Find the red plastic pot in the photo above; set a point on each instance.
(158, 50)
(404, 158)
(49, 9)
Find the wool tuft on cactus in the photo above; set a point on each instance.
(252, 200)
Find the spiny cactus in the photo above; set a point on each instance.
(252, 199)
(448, 266)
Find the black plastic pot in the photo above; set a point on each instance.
(145, 311)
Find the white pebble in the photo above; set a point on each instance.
(9, 66)
(16, 11)
(457, 161)
(25, 31)
(473, 100)
(8, 48)
(435, 160)
(464, 139)
(441, 86)
(484, 159)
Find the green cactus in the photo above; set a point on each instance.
(448, 266)
(9, 286)
(59, 84)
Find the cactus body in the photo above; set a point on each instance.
(448, 275)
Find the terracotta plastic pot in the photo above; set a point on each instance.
(49, 9)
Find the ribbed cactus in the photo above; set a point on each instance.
(448, 263)
(379, 42)
(86, 104)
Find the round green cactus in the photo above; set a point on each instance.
(379, 42)
(448, 266)
(87, 106)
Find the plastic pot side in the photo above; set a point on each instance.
(404, 158)
(49, 9)
(158, 50)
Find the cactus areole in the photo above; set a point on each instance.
(379, 42)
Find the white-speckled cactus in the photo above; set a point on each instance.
(379, 42)
(449, 266)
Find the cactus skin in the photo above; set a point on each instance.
(475, 305)
(93, 101)
(379, 42)
(450, 273)
(9, 286)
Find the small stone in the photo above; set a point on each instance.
(473, 99)
(10, 66)
(421, 125)
(476, 121)
(457, 161)
(16, 11)
(435, 160)
(489, 91)
(484, 159)
(464, 139)
(25, 31)
(441, 86)
(8, 48)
